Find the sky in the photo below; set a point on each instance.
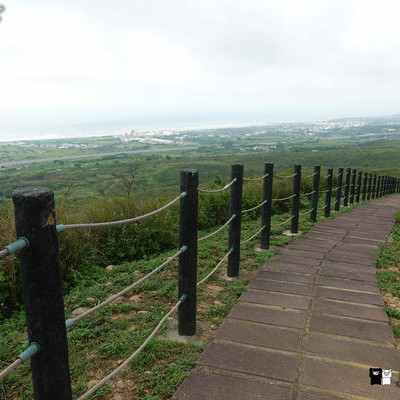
(91, 66)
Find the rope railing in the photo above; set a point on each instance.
(227, 186)
(285, 198)
(27, 354)
(284, 222)
(255, 179)
(285, 176)
(218, 230)
(62, 228)
(254, 208)
(253, 236)
(311, 175)
(307, 212)
(72, 321)
(322, 208)
(307, 194)
(133, 355)
(215, 268)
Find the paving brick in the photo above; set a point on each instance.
(317, 242)
(324, 235)
(353, 254)
(291, 268)
(348, 267)
(307, 247)
(350, 239)
(284, 287)
(352, 351)
(317, 254)
(344, 379)
(348, 295)
(285, 276)
(359, 248)
(249, 312)
(349, 274)
(347, 284)
(201, 385)
(345, 259)
(259, 335)
(275, 299)
(316, 396)
(367, 235)
(297, 260)
(329, 229)
(250, 361)
(379, 332)
(350, 310)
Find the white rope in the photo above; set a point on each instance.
(284, 222)
(285, 176)
(309, 176)
(321, 208)
(3, 253)
(285, 198)
(254, 208)
(218, 230)
(125, 221)
(253, 236)
(307, 194)
(10, 368)
(218, 190)
(127, 289)
(216, 267)
(130, 358)
(307, 212)
(255, 179)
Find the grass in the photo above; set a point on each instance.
(101, 342)
(388, 274)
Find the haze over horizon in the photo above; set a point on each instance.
(78, 67)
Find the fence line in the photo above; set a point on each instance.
(188, 253)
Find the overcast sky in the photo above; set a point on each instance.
(92, 64)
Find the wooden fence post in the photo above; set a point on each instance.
(353, 185)
(315, 195)
(235, 207)
(296, 199)
(364, 190)
(35, 219)
(267, 207)
(187, 272)
(346, 188)
(358, 186)
(378, 188)
(373, 187)
(369, 186)
(329, 177)
(339, 189)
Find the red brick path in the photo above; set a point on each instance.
(309, 325)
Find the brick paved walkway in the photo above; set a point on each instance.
(309, 325)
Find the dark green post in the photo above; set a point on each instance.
(346, 188)
(187, 270)
(235, 207)
(296, 199)
(378, 187)
(369, 186)
(358, 186)
(329, 177)
(35, 219)
(353, 185)
(364, 191)
(339, 189)
(266, 208)
(373, 187)
(315, 195)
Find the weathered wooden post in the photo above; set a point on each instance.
(369, 186)
(266, 208)
(296, 199)
(35, 220)
(187, 270)
(353, 185)
(378, 188)
(329, 177)
(235, 207)
(364, 190)
(315, 195)
(339, 189)
(373, 187)
(346, 188)
(358, 186)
